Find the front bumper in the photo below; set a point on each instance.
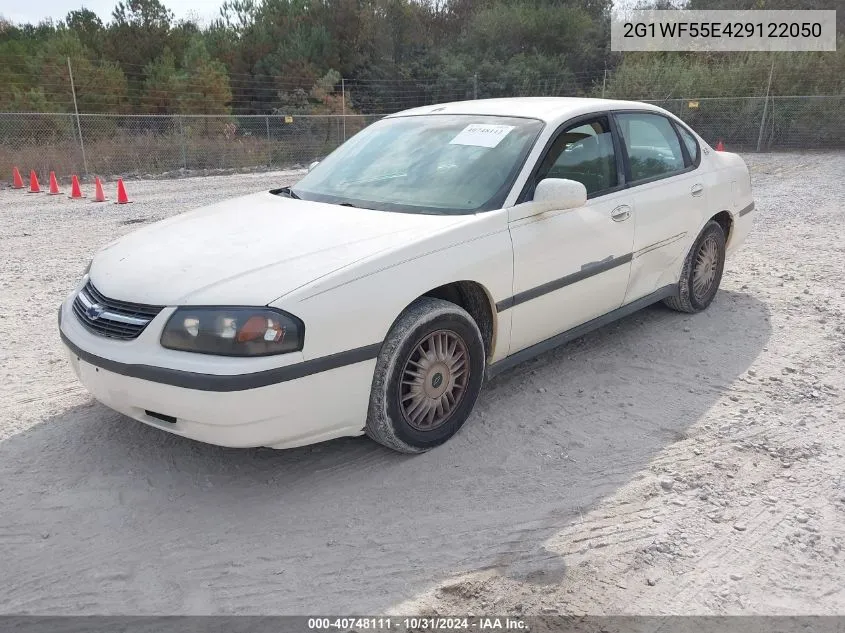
(330, 401)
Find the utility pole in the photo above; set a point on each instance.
(76, 109)
(269, 145)
(343, 105)
(604, 81)
(765, 107)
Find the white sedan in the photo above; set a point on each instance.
(435, 248)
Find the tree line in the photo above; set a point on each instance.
(372, 56)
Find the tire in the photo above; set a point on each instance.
(708, 252)
(427, 322)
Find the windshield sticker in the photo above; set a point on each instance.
(481, 135)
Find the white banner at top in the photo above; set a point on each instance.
(707, 31)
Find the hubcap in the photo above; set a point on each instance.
(434, 380)
(706, 263)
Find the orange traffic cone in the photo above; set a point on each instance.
(75, 190)
(99, 196)
(17, 181)
(720, 147)
(54, 185)
(122, 198)
(34, 187)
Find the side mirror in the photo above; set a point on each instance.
(551, 194)
(559, 193)
(313, 165)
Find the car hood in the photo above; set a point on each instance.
(249, 250)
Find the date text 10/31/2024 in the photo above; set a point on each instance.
(417, 624)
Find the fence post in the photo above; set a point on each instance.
(182, 143)
(475, 86)
(269, 146)
(343, 105)
(765, 107)
(76, 109)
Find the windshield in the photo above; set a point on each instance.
(447, 164)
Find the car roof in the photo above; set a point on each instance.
(548, 109)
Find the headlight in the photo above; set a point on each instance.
(233, 331)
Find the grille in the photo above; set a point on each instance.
(110, 317)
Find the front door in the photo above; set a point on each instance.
(571, 266)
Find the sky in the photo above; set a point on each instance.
(20, 12)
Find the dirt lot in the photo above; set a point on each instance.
(666, 464)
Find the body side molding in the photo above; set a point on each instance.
(587, 270)
(746, 210)
(579, 330)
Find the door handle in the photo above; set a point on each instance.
(697, 189)
(620, 213)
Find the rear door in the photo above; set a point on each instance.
(571, 266)
(669, 195)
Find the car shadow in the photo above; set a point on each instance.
(102, 514)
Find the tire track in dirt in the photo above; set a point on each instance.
(743, 513)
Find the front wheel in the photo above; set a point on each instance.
(428, 376)
(702, 271)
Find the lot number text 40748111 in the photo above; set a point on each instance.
(421, 623)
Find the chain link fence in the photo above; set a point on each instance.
(148, 145)
(765, 124)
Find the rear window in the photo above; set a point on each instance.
(653, 146)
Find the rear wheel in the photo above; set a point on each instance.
(428, 377)
(702, 271)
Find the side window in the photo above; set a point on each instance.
(583, 152)
(653, 147)
(692, 145)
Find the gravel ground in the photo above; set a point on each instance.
(666, 464)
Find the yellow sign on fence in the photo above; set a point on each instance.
(693, 105)
(288, 118)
